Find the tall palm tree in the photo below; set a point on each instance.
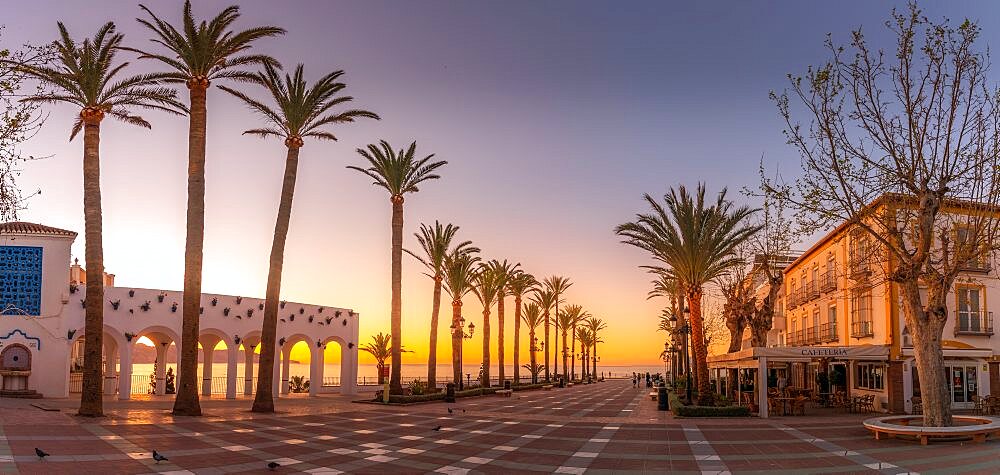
(197, 54)
(533, 317)
(575, 314)
(519, 284)
(381, 349)
(300, 111)
(503, 271)
(558, 286)
(564, 321)
(436, 244)
(486, 286)
(696, 238)
(398, 172)
(545, 299)
(87, 77)
(459, 274)
(594, 326)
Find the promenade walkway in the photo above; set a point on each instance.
(585, 429)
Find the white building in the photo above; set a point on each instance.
(42, 326)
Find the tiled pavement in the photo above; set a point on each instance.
(601, 428)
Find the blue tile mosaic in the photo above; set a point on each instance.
(21, 278)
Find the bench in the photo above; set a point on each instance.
(569, 385)
(653, 395)
(504, 392)
(891, 426)
(547, 387)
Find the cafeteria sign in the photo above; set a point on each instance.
(844, 352)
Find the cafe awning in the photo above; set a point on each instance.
(800, 353)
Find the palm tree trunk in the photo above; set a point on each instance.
(264, 399)
(533, 357)
(456, 342)
(572, 355)
(500, 369)
(381, 378)
(698, 345)
(564, 349)
(91, 399)
(548, 376)
(395, 381)
(486, 348)
(432, 352)
(186, 402)
(593, 373)
(517, 338)
(555, 336)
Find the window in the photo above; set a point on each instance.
(20, 280)
(967, 248)
(814, 333)
(860, 254)
(970, 304)
(830, 331)
(870, 376)
(861, 312)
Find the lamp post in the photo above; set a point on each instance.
(685, 330)
(459, 331)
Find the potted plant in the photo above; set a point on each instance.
(129, 336)
(310, 318)
(239, 300)
(145, 307)
(115, 303)
(301, 310)
(215, 301)
(73, 288)
(282, 304)
(261, 307)
(249, 312)
(161, 296)
(225, 312)
(281, 342)
(131, 293)
(173, 307)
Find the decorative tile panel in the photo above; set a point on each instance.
(21, 279)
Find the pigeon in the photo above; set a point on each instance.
(450, 411)
(159, 458)
(463, 411)
(273, 465)
(40, 453)
(437, 428)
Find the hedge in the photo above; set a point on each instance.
(680, 410)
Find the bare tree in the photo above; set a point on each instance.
(902, 146)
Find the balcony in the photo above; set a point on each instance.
(862, 329)
(793, 299)
(828, 332)
(860, 269)
(979, 265)
(974, 323)
(811, 291)
(828, 282)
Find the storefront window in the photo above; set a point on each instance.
(870, 376)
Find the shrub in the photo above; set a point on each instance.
(403, 399)
(680, 410)
(418, 387)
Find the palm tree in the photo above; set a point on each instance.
(503, 271)
(594, 327)
(696, 239)
(398, 173)
(486, 287)
(436, 243)
(558, 286)
(533, 317)
(575, 314)
(380, 348)
(197, 54)
(519, 284)
(459, 274)
(87, 77)
(301, 112)
(545, 299)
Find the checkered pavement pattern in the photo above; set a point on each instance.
(602, 428)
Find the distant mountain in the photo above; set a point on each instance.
(142, 354)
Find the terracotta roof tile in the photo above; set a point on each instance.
(20, 227)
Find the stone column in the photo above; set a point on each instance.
(208, 355)
(286, 366)
(248, 370)
(315, 370)
(161, 368)
(231, 371)
(125, 374)
(348, 370)
(276, 380)
(110, 371)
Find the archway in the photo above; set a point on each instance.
(115, 358)
(160, 376)
(249, 347)
(297, 347)
(338, 358)
(217, 377)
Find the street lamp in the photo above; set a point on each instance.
(458, 331)
(685, 330)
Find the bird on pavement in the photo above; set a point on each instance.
(450, 411)
(273, 465)
(437, 428)
(158, 457)
(40, 453)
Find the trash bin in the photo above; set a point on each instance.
(662, 403)
(562, 383)
(449, 395)
(506, 385)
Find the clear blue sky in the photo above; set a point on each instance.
(556, 116)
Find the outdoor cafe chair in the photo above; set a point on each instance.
(799, 405)
(918, 407)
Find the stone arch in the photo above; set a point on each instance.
(162, 337)
(347, 378)
(211, 382)
(248, 344)
(116, 351)
(284, 353)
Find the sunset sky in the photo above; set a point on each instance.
(555, 117)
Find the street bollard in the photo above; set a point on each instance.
(449, 395)
(662, 403)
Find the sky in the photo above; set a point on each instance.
(555, 117)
